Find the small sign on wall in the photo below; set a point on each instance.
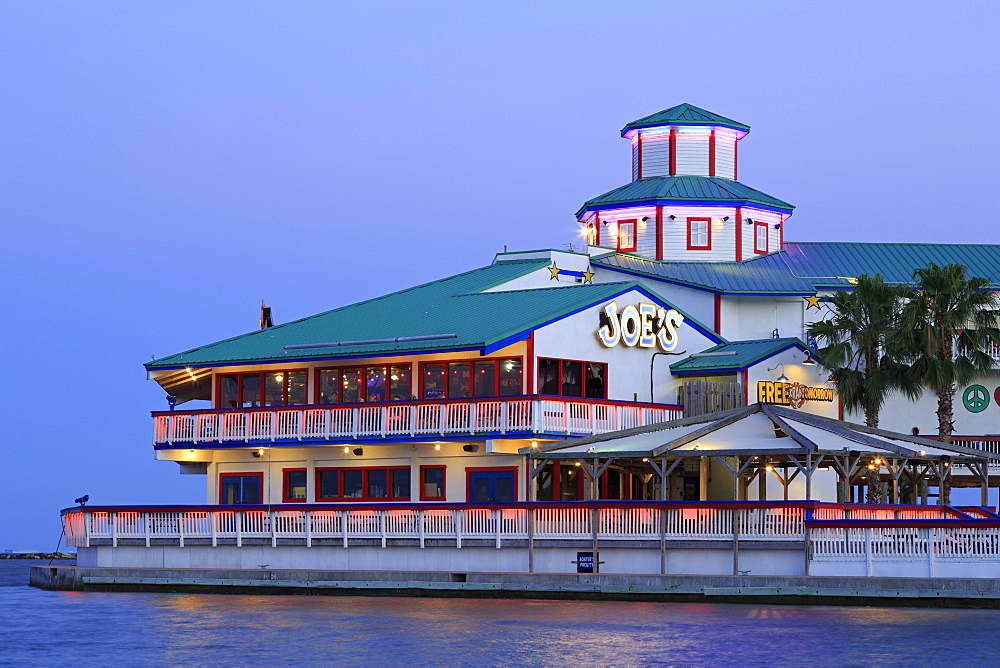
(585, 562)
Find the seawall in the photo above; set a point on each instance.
(796, 590)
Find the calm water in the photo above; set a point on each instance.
(40, 627)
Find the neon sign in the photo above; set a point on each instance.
(790, 394)
(642, 325)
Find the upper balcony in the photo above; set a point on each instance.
(496, 417)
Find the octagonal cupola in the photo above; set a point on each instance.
(685, 140)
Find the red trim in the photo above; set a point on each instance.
(659, 232)
(285, 498)
(471, 362)
(597, 229)
(252, 474)
(746, 387)
(363, 389)
(263, 387)
(469, 470)
(634, 223)
(718, 313)
(781, 235)
(756, 232)
(708, 235)
(583, 377)
(739, 234)
(711, 153)
(673, 151)
(444, 483)
(736, 155)
(639, 156)
(528, 370)
(365, 470)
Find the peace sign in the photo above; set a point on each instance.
(975, 398)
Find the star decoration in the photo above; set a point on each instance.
(813, 301)
(554, 270)
(588, 276)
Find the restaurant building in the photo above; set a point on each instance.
(686, 300)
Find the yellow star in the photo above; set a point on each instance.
(588, 276)
(813, 301)
(554, 270)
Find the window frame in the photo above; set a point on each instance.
(757, 226)
(363, 368)
(364, 484)
(444, 482)
(263, 387)
(633, 223)
(583, 378)
(285, 495)
(469, 470)
(708, 233)
(249, 474)
(472, 383)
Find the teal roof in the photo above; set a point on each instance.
(483, 321)
(734, 356)
(677, 189)
(684, 114)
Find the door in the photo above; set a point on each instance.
(241, 489)
(492, 486)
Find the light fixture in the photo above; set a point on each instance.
(725, 219)
(258, 453)
(470, 447)
(777, 226)
(809, 359)
(768, 468)
(279, 377)
(782, 377)
(437, 446)
(673, 217)
(749, 221)
(534, 444)
(697, 446)
(577, 464)
(171, 401)
(645, 218)
(871, 467)
(358, 452)
(946, 464)
(347, 450)
(923, 453)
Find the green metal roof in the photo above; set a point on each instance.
(483, 321)
(684, 114)
(666, 189)
(749, 277)
(734, 356)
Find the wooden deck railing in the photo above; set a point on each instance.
(526, 415)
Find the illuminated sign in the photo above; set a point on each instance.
(643, 325)
(791, 394)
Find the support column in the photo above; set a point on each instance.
(703, 478)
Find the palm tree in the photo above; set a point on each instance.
(852, 340)
(947, 326)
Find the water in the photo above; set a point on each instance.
(45, 628)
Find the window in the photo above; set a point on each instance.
(626, 235)
(570, 378)
(241, 488)
(492, 484)
(369, 383)
(270, 388)
(560, 481)
(759, 237)
(390, 483)
(471, 378)
(699, 234)
(432, 483)
(293, 489)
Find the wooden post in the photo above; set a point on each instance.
(531, 540)
(762, 479)
(703, 478)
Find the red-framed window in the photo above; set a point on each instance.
(383, 483)
(699, 233)
(347, 385)
(564, 481)
(626, 235)
(572, 378)
(236, 489)
(432, 483)
(293, 485)
(284, 387)
(456, 379)
(759, 237)
(491, 484)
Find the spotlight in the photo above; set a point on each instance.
(82, 500)
(725, 219)
(673, 217)
(258, 452)
(471, 447)
(358, 452)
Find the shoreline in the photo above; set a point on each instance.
(771, 590)
(61, 556)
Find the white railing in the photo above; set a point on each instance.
(407, 419)
(458, 524)
(971, 544)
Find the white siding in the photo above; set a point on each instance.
(725, 155)
(645, 233)
(773, 235)
(656, 154)
(692, 151)
(635, 157)
(723, 234)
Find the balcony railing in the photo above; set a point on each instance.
(525, 415)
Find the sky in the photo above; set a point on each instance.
(164, 166)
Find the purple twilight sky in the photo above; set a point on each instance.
(165, 166)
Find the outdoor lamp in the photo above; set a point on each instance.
(782, 377)
(358, 452)
(171, 401)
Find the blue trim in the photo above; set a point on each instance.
(701, 124)
(653, 201)
(369, 440)
(506, 341)
(578, 274)
(268, 360)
